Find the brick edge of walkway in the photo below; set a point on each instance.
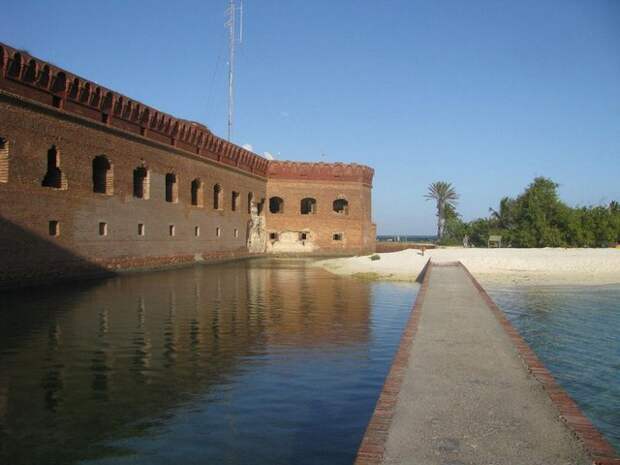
(372, 447)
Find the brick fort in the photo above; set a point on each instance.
(93, 182)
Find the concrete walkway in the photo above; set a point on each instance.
(466, 396)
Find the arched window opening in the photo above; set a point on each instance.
(54, 177)
(4, 160)
(276, 205)
(341, 206)
(308, 206)
(103, 177)
(250, 200)
(217, 197)
(141, 186)
(197, 193)
(172, 188)
(234, 200)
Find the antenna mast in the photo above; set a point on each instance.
(232, 42)
(231, 63)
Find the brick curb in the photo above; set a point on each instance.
(600, 450)
(372, 447)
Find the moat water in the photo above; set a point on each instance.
(254, 362)
(575, 331)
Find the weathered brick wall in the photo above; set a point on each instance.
(59, 220)
(354, 227)
(28, 250)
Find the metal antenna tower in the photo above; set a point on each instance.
(232, 42)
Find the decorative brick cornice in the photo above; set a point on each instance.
(350, 172)
(34, 79)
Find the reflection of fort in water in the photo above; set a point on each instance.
(102, 357)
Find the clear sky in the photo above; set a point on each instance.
(486, 94)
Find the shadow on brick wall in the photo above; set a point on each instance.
(27, 259)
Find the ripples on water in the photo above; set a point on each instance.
(256, 362)
(576, 333)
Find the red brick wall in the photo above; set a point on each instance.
(356, 226)
(42, 106)
(26, 248)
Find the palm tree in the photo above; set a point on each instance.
(444, 194)
(504, 217)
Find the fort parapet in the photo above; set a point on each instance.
(92, 181)
(45, 83)
(339, 172)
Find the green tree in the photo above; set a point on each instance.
(539, 216)
(444, 196)
(479, 231)
(454, 228)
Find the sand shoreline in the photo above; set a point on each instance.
(547, 266)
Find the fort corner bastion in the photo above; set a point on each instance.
(93, 182)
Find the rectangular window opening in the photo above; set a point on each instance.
(218, 231)
(235, 200)
(197, 231)
(103, 229)
(140, 229)
(236, 232)
(337, 236)
(4, 160)
(54, 228)
(171, 230)
(303, 236)
(273, 236)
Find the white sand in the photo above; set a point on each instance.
(514, 266)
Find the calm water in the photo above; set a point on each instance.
(259, 362)
(576, 333)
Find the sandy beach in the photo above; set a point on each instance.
(511, 266)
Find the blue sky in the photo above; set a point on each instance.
(486, 94)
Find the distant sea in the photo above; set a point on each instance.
(406, 238)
